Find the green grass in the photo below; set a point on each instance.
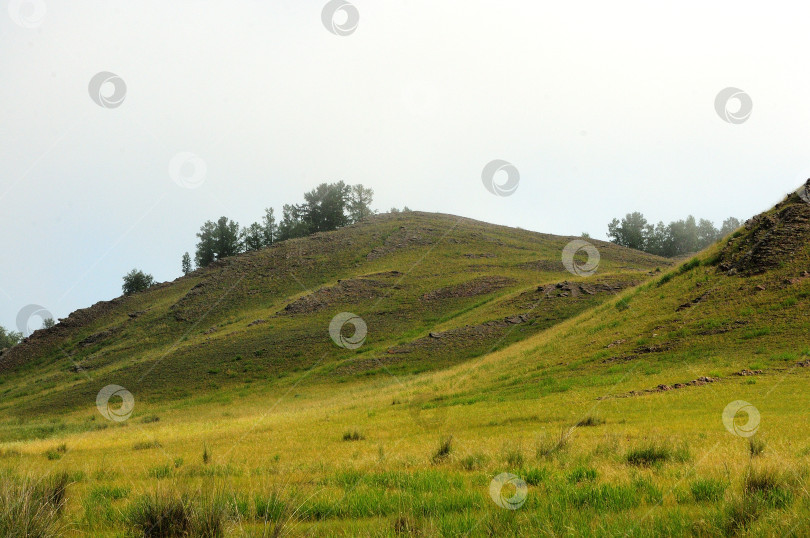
(708, 489)
(653, 454)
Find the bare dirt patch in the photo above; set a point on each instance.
(478, 286)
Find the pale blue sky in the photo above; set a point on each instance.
(603, 107)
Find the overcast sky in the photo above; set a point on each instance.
(602, 107)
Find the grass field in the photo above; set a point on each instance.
(607, 415)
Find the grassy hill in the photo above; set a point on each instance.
(602, 396)
(262, 317)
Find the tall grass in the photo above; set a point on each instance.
(166, 514)
(30, 508)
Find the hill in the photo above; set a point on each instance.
(626, 402)
(433, 290)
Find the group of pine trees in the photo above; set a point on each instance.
(326, 207)
(674, 239)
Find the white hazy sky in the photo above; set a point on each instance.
(603, 107)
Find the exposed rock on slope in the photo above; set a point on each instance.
(769, 239)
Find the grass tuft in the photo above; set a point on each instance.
(160, 515)
(590, 421)
(708, 489)
(444, 450)
(32, 508)
(648, 455)
(756, 446)
(353, 436)
(548, 447)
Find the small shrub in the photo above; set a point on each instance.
(353, 436)
(149, 419)
(623, 304)
(444, 450)
(53, 455)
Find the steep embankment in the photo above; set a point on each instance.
(432, 289)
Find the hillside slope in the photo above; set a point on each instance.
(433, 290)
(739, 306)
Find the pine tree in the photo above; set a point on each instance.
(186, 263)
(253, 237)
(206, 248)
